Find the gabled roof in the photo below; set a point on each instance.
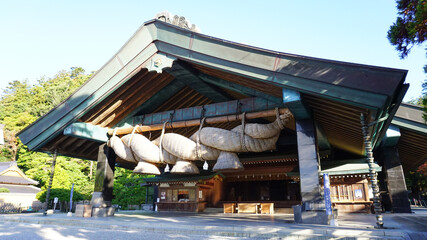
(6, 165)
(21, 189)
(344, 167)
(412, 142)
(410, 117)
(17, 180)
(11, 174)
(157, 46)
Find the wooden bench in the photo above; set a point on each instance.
(247, 207)
(267, 208)
(229, 208)
(263, 208)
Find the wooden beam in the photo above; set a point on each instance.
(237, 88)
(228, 110)
(185, 74)
(391, 137)
(210, 110)
(191, 123)
(87, 131)
(155, 101)
(292, 99)
(322, 139)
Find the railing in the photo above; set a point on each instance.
(6, 208)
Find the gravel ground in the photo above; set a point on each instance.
(13, 231)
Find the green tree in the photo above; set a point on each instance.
(61, 193)
(410, 29)
(68, 170)
(20, 105)
(128, 189)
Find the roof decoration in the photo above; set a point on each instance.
(176, 20)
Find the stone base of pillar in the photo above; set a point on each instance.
(98, 200)
(103, 212)
(101, 208)
(314, 206)
(312, 213)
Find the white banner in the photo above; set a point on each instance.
(1, 134)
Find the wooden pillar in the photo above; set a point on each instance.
(396, 184)
(308, 163)
(104, 180)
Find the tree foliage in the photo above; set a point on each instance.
(20, 105)
(128, 188)
(410, 27)
(61, 193)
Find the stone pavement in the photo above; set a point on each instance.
(277, 226)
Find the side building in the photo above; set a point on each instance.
(20, 190)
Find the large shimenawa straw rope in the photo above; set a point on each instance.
(215, 144)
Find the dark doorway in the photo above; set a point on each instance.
(276, 190)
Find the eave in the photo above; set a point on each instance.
(348, 83)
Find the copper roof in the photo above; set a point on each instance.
(136, 79)
(17, 180)
(26, 189)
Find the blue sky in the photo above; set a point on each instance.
(39, 38)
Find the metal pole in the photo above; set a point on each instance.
(146, 194)
(1, 134)
(52, 171)
(372, 172)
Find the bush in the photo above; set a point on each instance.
(61, 193)
(4, 190)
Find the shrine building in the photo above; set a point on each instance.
(169, 81)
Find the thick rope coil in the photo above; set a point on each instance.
(160, 144)
(130, 141)
(242, 136)
(198, 152)
(281, 126)
(109, 144)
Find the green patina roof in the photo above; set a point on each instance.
(344, 167)
(170, 177)
(410, 117)
(356, 84)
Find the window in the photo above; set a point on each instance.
(347, 192)
(183, 196)
(177, 195)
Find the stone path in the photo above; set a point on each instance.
(220, 226)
